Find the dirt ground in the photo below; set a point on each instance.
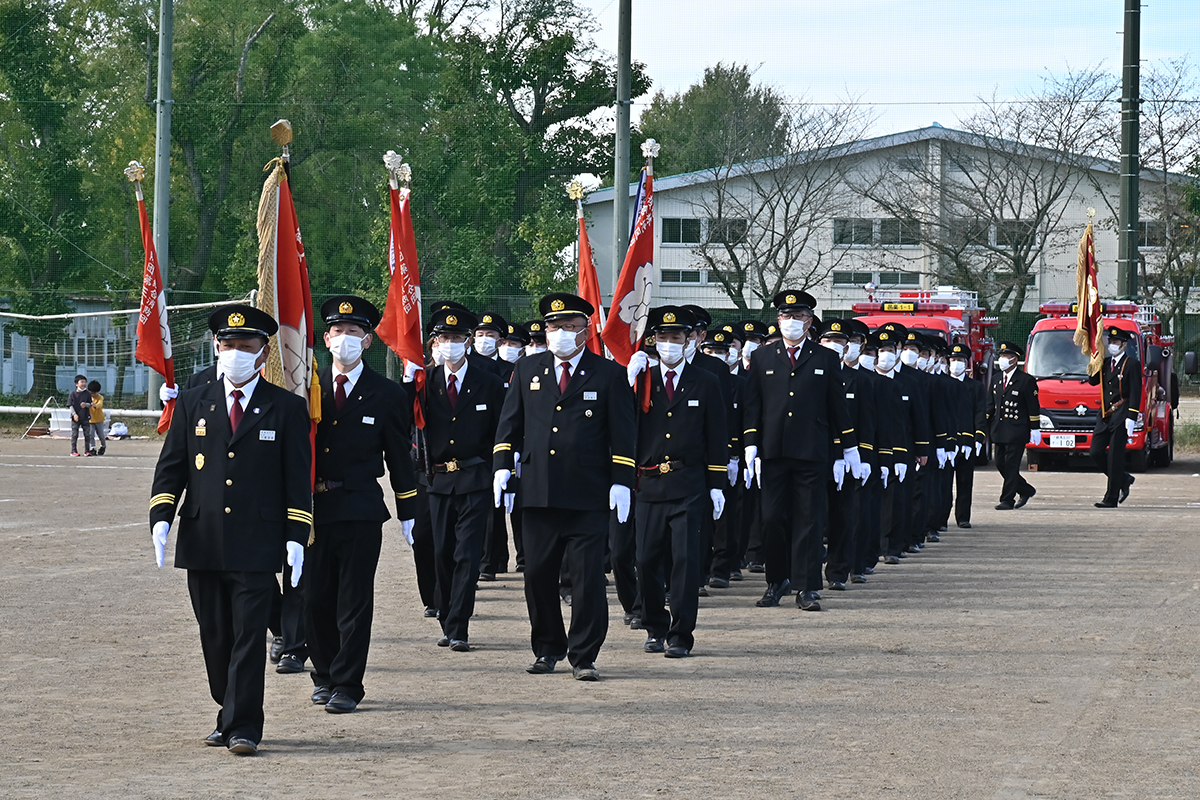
(1048, 652)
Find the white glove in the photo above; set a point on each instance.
(1035, 437)
(941, 457)
(951, 454)
(978, 448)
(884, 472)
(159, 536)
(864, 473)
(499, 484)
(750, 456)
(637, 363)
(901, 471)
(966, 451)
(732, 470)
(517, 463)
(852, 459)
(295, 560)
(618, 498)
(718, 501)
(406, 528)
(1129, 428)
(410, 371)
(758, 471)
(839, 473)
(166, 393)
(510, 500)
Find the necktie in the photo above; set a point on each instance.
(339, 394)
(565, 379)
(792, 354)
(670, 385)
(452, 390)
(235, 411)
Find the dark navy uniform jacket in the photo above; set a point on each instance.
(1120, 391)
(244, 495)
(465, 432)
(689, 430)
(573, 446)
(860, 402)
(1013, 410)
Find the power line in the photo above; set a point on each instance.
(59, 234)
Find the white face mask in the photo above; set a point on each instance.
(853, 351)
(922, 363)
(836, 347)
(793, 329)
(958, 367)
(436, 354)
(747, 350)
(885, 362)
(732, 357)
(452, 352)
(345, 349)
(1006, 363)
(561, 343)
(237, 365)
(671, 353)
(534, 349)
(689, 349)
(909, 358)
(1115, 349)
(866, 362)
(485, 346)
(510, 353)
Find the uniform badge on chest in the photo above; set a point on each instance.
(535, 383)
(201, 430)
(200, 461)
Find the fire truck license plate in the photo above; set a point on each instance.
(1057, 440)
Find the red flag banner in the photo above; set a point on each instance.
(1089, 326)
(589, 284)
(153, 333)
(631, 299)
(400, 326)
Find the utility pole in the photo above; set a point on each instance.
(1127, 245)
(162, 163)
(620, 218)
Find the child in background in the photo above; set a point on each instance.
(80, 401)
(97, 418)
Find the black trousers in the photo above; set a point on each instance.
(622, 545)
(668, 539)
(794, 520)
(460, 524)
(232, 609)
(943, 485)
(1108, 452)
(727, 533)
(922, 489)
(423, 548)
(1008, 462)
(495, 546)
(845, 518)
(898, 500)
(750, 542)
(868, 534)
(964, 487)
(339, 590)
(287, 616)
(551, 533)
(515, 520)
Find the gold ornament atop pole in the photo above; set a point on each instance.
(136, 174)
(398, 171)
(575, 190)
(281, 133)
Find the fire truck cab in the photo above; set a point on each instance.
(1071, 406)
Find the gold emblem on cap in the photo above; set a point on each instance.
(487, 317)
(557, 305)
(720, 337)
(346, 308)
(535, 327)
(837, 326)
(668, 317)
(451, 320)
(791, 298)
(236, 320)
(883, 337)
(749, 326)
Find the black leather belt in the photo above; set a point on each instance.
(663, 468)
(323, 485)
(454, 464)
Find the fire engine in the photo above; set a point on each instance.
(1071, 406)
(945, 312)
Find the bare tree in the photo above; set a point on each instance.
(439, 17)
(768, 220)
(989, 200)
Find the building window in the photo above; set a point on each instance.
(853, 231)
(899, 279)
(958, 162)
(910, 163)
(1015, 235)
(1150, 233)
(967, 231)
(676, 230)
(851, 278)
(899, 232)
(682, 276)
(727, 231)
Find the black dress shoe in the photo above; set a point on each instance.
(677, 651)
(543, 666)
(487, 576)
(215, 739)
(289, 664)
(858, 578)
(430, 612)
(1004, 506)
(736, 575)
(941, 529)
(912, 548)
(635, 624)
(774, 592)
(460, 646)
(1105, 504)
(341, 703)
(654, 645)
(242, 747)
(719, 583)
(1022, 499)
(444, 641)
(276, 649)
(754, 567)
(520, 567)
(965, 525)
(585, 672)
(837, 586)
(891, 559)
(1124, 493)
(628, 618)
(932, 537)
(869, 571)
(806, 601)
(321, 695)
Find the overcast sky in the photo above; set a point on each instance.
(927, 60)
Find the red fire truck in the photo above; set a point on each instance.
(1070, 406)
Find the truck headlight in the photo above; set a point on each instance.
(1140, 425)
(1045, 422)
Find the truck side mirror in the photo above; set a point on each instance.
(1189, 363)
(1154, 358)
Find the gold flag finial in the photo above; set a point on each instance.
(135, 172)
(281, 133)
(575, 190)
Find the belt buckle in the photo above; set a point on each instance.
(664, 467)
(452, 465)
(319, 487)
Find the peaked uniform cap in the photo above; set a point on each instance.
(348, 308)
(239, 321)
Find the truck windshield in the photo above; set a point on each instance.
(1054, 354)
